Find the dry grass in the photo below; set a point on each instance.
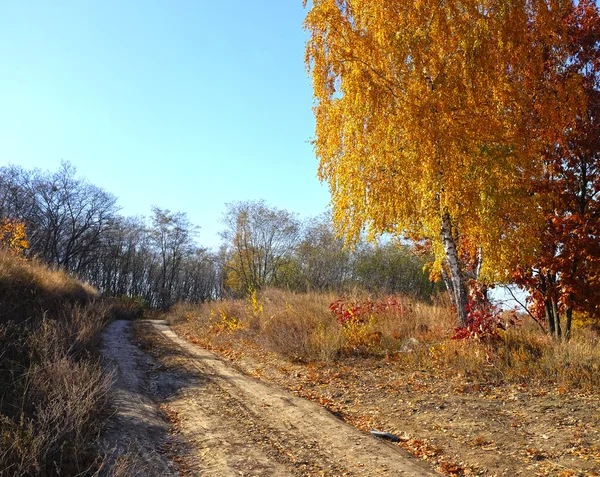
(52, 387)
(27, 286)
(522, 356)
(302, 328)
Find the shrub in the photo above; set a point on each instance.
(485, 320)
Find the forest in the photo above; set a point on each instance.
(73, 225)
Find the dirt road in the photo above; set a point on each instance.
(183, 411)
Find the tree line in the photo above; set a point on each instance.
(77, 226)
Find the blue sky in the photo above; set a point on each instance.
(177, 103)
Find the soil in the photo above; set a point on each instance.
(182, 410)
(459, 427)
(138, 431)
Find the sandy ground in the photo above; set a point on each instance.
(181, 410)
(460, 427)
(137, 431)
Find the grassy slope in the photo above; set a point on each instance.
(52, 388)
(26, 287)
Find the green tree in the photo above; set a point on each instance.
(393, 269)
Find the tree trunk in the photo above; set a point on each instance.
(555, 308)
(550, 317)
(547, 305)
(459, 287)
(556, 319)
(448, 284)
(569, 315)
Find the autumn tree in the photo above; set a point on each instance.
(565, 275)
(13, 235)
(424, 123)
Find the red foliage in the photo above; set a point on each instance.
(484, 320)
(483, 323)
(566, 273)
(349, 311)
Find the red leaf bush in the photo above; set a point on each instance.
(347, 311)
(484, 319)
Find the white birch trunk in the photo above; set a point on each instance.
(459, 288)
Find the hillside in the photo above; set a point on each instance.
(52, 387)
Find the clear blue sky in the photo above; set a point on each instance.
(184, 104)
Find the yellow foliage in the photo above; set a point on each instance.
(585, 320)
(359, 334)
(232, 281)
(255, 307)
(225, 323)
(425, 108)
(13, 235)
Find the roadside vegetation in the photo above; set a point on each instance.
(53, 390)
(314, 327)
(497, 402)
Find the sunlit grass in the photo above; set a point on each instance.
(301, 327)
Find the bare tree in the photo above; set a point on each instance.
(258, 240)
(172, 235)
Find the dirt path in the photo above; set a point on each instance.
(458, 425)
(211, 420)
(137, 428)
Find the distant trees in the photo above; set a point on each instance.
(172, 236)
(266, 246)
(259, 240)
(74, 225)
(74, 216)
(66, 217)
(393, 268)
(323, 263)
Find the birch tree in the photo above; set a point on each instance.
(430, 119)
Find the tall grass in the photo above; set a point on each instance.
(301, 325)
(416, 335)
(53, 390)
(523, 356)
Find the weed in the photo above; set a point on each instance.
(53, 390)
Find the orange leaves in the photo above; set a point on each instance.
(561, 280)
(13, 235)
(450, 468)
(426, 107)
